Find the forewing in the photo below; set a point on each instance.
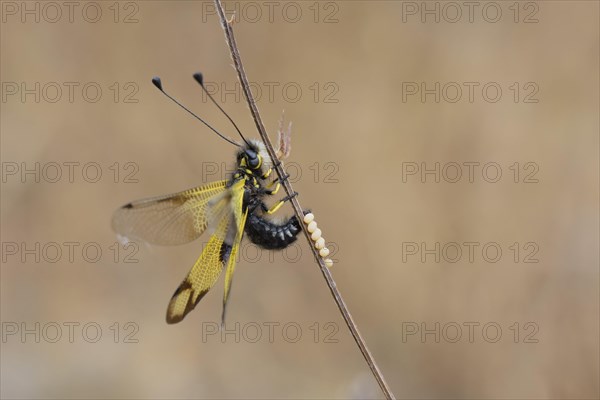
(207, 268)
(237, 226)
(168, 220)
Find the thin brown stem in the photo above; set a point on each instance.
(237, 61)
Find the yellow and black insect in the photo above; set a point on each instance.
(227, 208)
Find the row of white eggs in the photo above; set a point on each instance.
(319, 241)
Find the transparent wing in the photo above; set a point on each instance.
(168, 220)
(216, 255)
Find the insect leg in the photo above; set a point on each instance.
(275, 182)
(280, 180)
(278, 205)
(273, 191)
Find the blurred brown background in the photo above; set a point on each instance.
(341, 71)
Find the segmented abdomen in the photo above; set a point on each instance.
(271, 235)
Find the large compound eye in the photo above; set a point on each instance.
(253, 159)
(254, 163)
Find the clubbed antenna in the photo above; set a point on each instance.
(158, 83)
(199, 78)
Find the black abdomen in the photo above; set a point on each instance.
(270, 235)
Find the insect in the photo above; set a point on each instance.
(227, 209)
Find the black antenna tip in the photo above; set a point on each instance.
(157, 82)
(199, 78)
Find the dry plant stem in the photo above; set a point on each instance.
(235, 55)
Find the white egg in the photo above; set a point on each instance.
(320, 243)
(316, 235)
